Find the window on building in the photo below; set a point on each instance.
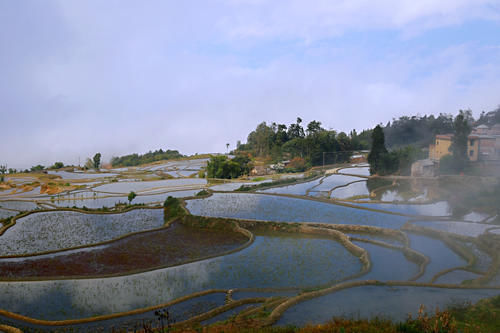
(471, 153)
(472, 142)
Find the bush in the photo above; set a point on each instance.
(202, 193)
(222, 167)
(297, 164)
(173, 208)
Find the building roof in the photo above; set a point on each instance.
(483, 126)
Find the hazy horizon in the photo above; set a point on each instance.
(121, 77)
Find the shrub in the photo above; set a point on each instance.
(297, 164)
(202, 193)
(173, 208)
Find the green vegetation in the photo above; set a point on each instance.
(202, 193)
(415, 130)
(461, 131)
(131, 196)
(378, 151)
(37, 168)
(57, 165)
(3, 170)
(97, 161)
(466, 318)
(149, 157)
(173, 208)
(383, 162)
(223, 167)
(278, 142)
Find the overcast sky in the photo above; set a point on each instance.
(118, 77)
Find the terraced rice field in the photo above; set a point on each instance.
(332, 246)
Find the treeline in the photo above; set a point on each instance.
(417, 130)
(279, 142)
(136, 159)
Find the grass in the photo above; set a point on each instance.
(482, 317)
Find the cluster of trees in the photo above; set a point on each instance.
(136, 159)
(417, 130)
(57, 165)
(458, 160)
(279, 142)
(489, 118)
(399, 160)
(223, 167)
(384, 162)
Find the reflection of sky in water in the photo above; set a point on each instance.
(268, 262)
(274, 208)
(456, 277)
(387, 264)
(354, 189)
(6, 213)
(372, 301)
(462, 228)
(126, 187)
(364, 171)
(98, 202)
(441, 257)
(18, 205)
(441, 208)
(297, 189)
(81, 175)
(47, 231)
(332, 181)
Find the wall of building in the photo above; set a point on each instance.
(439, 149)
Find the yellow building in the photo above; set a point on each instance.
(442, 145)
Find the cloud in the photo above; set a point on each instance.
(121, 77)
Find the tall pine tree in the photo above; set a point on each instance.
(375, 158)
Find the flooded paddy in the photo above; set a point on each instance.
(440, 208)
(50, 231)
(353, 190)
(168, 247)
(284, 209)
(126, 187)
(276, 261)
(81, 175)
(159, 265)
(457, 227)
(365, 302)
(358, 171)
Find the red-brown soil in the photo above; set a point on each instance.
(162, 248)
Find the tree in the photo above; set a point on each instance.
(131, 196)
(3, 170)
(375, 157)
(295, 130)
(37, 168)
(222, 167)
(313, 127)
(97, 161)
(57, 165)
(89, 164)
(461, 133)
